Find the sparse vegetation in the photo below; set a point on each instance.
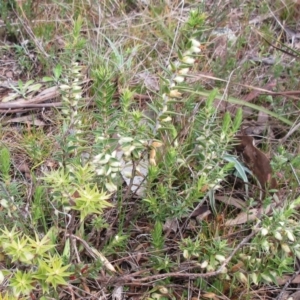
(121, 176)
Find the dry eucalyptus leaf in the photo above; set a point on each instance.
(138, 181)
(232, 201)
(171, 224)
(284, 279)
(47, 94)
(260, 19)
(243, 217)
(34, 87)
(259, 126)
(117, 293)
(203, 216)
(250, 215)
(295, 296)
(150, 81)
(256, 161)
(210, 296)
(29, 119)
(192, 224)
(9, 97)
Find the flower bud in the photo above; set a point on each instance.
(285, 247)
(179, 79)
(195, 43)
(188, 60)
(242, 278)
(264, 231)
(290, 235)
(278, 235)
(220, 258)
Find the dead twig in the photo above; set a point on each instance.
(279, 297)
(291, 131)
(45, 95)
(130, 278)
(204, 275)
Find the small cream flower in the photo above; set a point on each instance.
(278, 236)
(100, 171)
(179, 79)
(220, 258)
(111, 187)
(187, 53)
(195, 50)
(167, 119)
(195, 43)
(254, 278)
(64, 87)
(125, 140)
(4, 203)
(242, 278)
(115, 164)
(163, 290)
(104, 160)
(285, 248)
(290, 235)
(186, 254)
(264, 231)
(175, 94)
(265, 245)
(128, 150)
(2, 277)
(266, 277)
(165, 108)
(184, 71)
(188, 60)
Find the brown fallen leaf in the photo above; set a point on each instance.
(237, 267)
(24, 168)
(256, 161)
